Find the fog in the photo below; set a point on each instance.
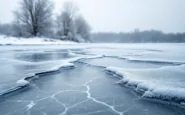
(120, 15)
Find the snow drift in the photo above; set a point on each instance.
(157, 83)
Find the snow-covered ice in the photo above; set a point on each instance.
(163, 83)
(154, 70)
(22, 83)
(83, 78)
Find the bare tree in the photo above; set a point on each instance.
(82, 28)
(65, 21)
(36, 15)
(17, 26)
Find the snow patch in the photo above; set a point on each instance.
(31, 41)
(64, 64)
(22, 83)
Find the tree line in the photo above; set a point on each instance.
(35, 18)
(150, 36)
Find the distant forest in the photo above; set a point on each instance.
(152, 36)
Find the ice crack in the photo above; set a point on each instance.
(97, 101)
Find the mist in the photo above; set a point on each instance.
(120, 15)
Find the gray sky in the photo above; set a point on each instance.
(120, 15)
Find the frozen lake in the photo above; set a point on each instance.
(93, 79)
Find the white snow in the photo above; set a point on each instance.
(154, 83)
(64, 64)
(22, 83)
(4, 40)
(166, 93)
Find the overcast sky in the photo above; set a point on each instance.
(120, 15)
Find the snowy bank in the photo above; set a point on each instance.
(4, 40)
(151, 85)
